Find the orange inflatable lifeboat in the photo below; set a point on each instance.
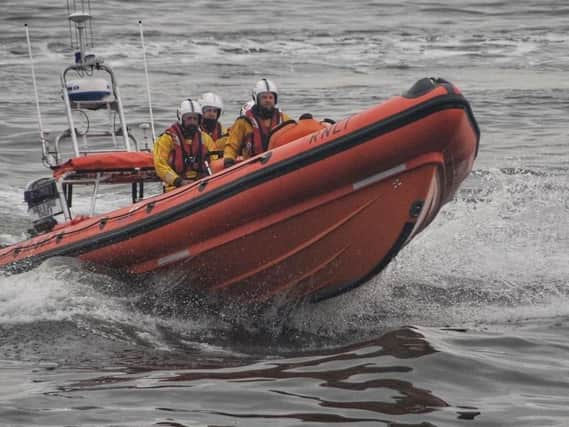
(321, 212)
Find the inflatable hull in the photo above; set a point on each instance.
(311, 219)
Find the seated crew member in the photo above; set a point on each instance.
(181, 152)
(212, 108)
(250, 133)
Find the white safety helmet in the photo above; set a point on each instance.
(189, 106)
(210, 99)
(262, 86)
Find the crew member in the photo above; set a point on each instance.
(250, 133)
(181, 153)
(212, 107)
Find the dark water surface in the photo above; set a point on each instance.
(468, 326)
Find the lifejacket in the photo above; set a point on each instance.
(258, 141)
(216, 133)
(180, 159)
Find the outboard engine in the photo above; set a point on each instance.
(44, 204)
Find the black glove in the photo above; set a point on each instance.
(177, 182)
(227, 163)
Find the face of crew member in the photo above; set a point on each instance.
(190, 119)
(210, 113)
(267, 100)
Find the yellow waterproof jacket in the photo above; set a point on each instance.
(163, 149)
(241, 132)
(220, 143)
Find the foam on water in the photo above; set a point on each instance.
(55, 290)
(65, 300)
